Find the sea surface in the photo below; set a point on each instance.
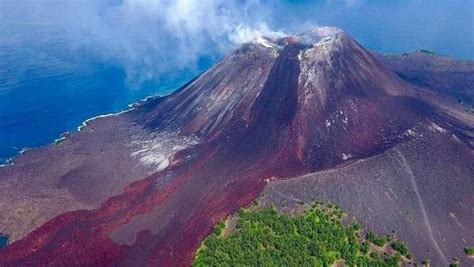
(53, 74)
(3, 240)
(48, 88)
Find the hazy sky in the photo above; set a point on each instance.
(150, 38)
(445, 26)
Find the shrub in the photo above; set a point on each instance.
(469, 251)
(376, 240)
(428, 52)
(401, 247)
(219, 228)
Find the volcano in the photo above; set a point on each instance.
(300, 117)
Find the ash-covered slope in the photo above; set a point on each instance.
(444, 75)
(272, 110)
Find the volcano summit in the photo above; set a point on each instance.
(298, 118)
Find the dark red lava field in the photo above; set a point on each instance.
(146, 186)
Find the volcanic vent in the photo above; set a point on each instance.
(271, 110)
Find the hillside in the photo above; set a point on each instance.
(300, 117)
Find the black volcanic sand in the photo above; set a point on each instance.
(80, 172)
(418, 189)
(448, 76)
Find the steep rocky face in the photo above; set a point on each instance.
(212, 100)
(272, 110)
(299, 90)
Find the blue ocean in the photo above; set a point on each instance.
(62, 62)
(48, 88)
(3, 240)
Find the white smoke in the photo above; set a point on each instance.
(152, 38)
(148, 37)
(244, 34)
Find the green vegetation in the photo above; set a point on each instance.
(219, 228)
(317, 237)
(428, 52)
(401, 247)
(376, 240)
(455, 262)
(469, 251)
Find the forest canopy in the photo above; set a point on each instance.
(317, 237)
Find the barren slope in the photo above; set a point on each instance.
(272, 110)
(448, 76)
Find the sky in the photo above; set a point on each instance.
(152, 38)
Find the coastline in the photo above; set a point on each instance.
(130, 107)
(63, 136)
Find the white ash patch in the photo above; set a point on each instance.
(346, 156)
(456, 138)
(269, 44)
(345, 120)
(436, 128)
(326, 39)
(300, 55)
(157, 151)
(313, 78)
(311, 82)
(328, 123)
(409, 132)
